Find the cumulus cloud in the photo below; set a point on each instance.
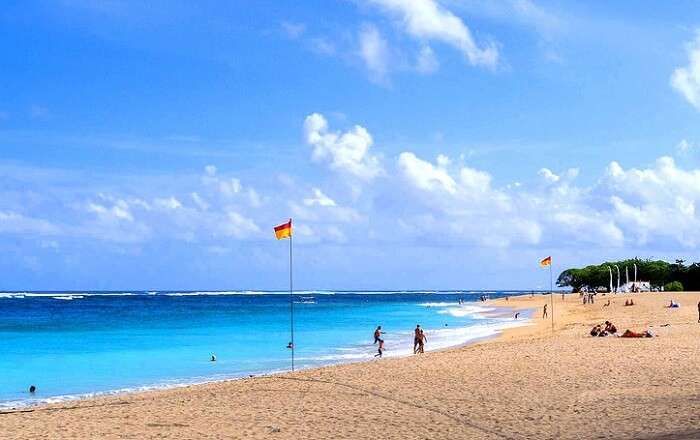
(686, 80)
(424, 174)
(347, 152)
(427, 20)
(548, 175)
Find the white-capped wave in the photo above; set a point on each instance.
(462, 311)
(68, 297)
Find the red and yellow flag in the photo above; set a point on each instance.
(546, 262)
(284, 230)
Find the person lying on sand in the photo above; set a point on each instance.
(630, 334)
(629, 302)
(607, 304)
(673, 305)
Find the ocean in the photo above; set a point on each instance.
(80, 344)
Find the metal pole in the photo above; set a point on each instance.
(291, 300)
(551, 294)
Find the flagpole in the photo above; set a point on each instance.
(291, 299)
(551, 293)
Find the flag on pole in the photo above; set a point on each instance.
(284, 230)
(546, 262)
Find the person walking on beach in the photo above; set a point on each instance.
(422, 341)
(698, 311)
(544, 311)
(378, 334)
(380, 350)
(417, 338)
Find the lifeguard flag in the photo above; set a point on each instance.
(546, 262)
(284, 230)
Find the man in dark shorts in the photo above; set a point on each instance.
(380, 350)
(417, 338)
(423, 340)
(378, 334)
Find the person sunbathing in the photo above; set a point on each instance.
(595, 331)
(630, 334)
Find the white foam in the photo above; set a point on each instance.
(68, 297)
(471, 311)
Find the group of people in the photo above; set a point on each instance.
(588, 298)
(602, 330)
(419, 340)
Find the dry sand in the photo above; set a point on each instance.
(530, 383)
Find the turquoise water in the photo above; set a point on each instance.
(81, 343)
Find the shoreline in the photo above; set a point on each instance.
(51, 401)
(525, 382)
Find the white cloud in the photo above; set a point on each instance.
(348, 152)
(374, 52)
(319, 199)
(15, 223)
(655, 204)
(293, 30)
(426, 62)
(685, 147)
(425, 175)
(199, 201)
(686, 80)
(322, 46)
(230, 186)
(548, 175)
(168, 203)
(427, 20)
(119, 211)
(239, 226)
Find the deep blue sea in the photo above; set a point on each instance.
(78, 344)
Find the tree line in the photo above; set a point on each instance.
(670, 276)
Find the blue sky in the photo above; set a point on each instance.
(416, 143)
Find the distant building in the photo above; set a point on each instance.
(639, 286)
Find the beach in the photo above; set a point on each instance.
(529, 383)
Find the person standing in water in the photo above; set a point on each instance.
(423, 340)
(544, 311)
(416, 338)
(378, 334)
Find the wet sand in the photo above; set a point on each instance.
(530, 383)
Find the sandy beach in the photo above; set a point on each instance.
(529, 383)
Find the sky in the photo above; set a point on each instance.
(416, 144)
